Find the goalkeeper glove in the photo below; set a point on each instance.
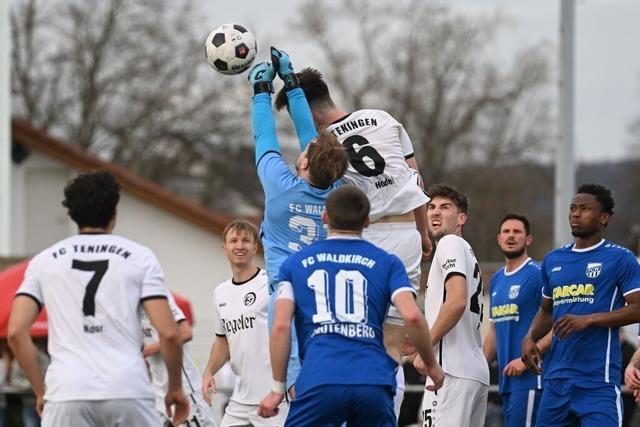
(282, 64)
(261, 76)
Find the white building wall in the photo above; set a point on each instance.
(191, 257)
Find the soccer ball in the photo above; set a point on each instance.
(230, 48)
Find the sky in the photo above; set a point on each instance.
(607, 54)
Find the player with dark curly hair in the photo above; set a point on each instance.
(590, 288)
(93, 285)
(91, 199)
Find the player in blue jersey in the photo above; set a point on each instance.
(293, 202)
(339, 291)
(585, 286)
(515, 293)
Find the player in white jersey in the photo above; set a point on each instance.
(381, 164)
(453, 307)
(242, 335)
(93, 285)
(200, 414)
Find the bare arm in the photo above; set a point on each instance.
(420, 214)
(280, 343)
(186, 335)
(171, 350)
(489, 345)
(632, 375)
(626, 315)
(24, 312)
(418, 331)
(280, 350)
(540, 327)
(452, 309)
(544, 343)
(217, 358)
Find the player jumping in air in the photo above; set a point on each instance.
(383, 165)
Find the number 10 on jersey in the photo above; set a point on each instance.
(350, 296)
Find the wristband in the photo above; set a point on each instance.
(261, 87)
(291, 81)
(278, 387)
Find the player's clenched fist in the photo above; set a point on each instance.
(437, 376)
(269, 405)
(178, 400)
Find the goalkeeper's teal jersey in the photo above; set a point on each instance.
(293, 207)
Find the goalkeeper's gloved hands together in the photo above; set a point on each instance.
(261, 77)
(282, 64)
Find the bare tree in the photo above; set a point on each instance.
(128, 82)
(474, 122)
(434, 72)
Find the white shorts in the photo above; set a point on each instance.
(116, 412)
(460, 402)
(200, 413)
(399, 396)
(237, 414)
(403, 240)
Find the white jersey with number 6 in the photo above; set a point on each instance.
(378, 147)
(459, 352)
(92, 286)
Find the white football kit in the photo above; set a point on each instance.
(200, 414)
(92, 286)
(378, 147)
(241, 317)
(462, 400)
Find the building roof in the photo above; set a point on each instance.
(77, 158)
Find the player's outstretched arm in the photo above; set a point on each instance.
(297, 101)
(280, 349)
(420, 335)
(264, 124)
(23, 313)
(541, 325)
(217, 358)
(171, 349)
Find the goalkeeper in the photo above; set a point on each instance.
(293, 201)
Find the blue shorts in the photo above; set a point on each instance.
(333, 405)
(563, 403)
(293, 368)
(520, 407)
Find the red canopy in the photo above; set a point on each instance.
(10, 280)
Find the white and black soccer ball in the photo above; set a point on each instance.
(230, 48)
